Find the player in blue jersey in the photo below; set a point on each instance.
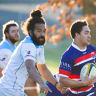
(76, 56)
(7, 46)
(28, 54)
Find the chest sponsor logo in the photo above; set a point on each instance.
(66, 65)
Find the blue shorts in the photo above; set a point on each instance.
(55, 92)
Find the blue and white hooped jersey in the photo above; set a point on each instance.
(16, 74)
(6, 50)
(73, 60)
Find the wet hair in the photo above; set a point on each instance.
(29, 24)
(77, 27)
(7, 26)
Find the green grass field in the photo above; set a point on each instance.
(53, 54)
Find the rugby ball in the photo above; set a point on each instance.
(90, 68)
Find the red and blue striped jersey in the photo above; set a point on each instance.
(73, 60)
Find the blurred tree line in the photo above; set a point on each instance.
(67, 16)
(90, 9)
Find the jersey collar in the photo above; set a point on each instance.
(75, 46)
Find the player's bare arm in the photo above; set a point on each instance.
(1, 72)
(44, 71)
(66, 82)
(30, 65)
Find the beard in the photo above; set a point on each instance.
(12, 40)
(38, 41)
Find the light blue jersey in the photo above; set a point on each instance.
(6, 50)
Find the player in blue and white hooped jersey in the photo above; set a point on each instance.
(28, 54)
(7, 45)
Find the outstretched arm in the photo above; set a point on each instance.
(44, 71)
(30, 65)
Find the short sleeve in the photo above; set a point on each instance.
(5, 55)
(65, 65)
(28, 51)
(41, 58)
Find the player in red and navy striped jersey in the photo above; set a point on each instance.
(78, 54)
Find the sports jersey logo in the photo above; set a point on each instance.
(28, 53)
(3, 59)
(94, 56)
(66, 65)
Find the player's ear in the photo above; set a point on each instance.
(76, 34)
(6, 35)
(30, 33)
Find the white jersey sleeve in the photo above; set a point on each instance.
(28, 51)
(41, 57)
(5, 55)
